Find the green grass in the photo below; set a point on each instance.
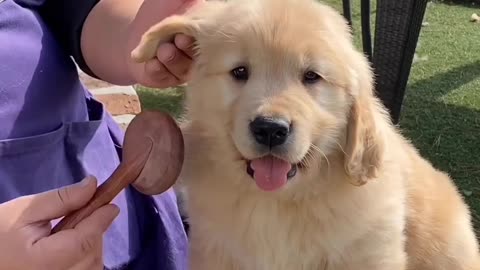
(166, 99)
(442, 106)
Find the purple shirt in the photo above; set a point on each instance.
(53, 133)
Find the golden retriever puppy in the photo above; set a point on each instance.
(291, 161)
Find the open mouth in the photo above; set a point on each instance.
(271, 173)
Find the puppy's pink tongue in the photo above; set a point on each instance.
(270, 173)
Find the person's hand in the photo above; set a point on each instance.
(25, 239)
(172, 63)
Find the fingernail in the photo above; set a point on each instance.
(117, 210)
(184, 42)
(87, 181)
(167, 55)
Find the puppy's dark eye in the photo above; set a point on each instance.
(311, 77)
(240, 73)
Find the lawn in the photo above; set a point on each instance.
(442, 106)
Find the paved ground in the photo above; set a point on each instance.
(121, 101)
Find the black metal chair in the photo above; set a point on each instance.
(397, 28)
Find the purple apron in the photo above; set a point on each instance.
(53, 133)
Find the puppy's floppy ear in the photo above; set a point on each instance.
(364, 141)
(191, 23)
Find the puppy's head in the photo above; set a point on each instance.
(281, 81)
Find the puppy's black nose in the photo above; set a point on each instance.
(270, 131)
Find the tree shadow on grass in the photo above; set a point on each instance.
(447, 135)
(473, 4)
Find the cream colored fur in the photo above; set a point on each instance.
(365, 199)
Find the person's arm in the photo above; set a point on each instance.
(104, 38)
(113, 29)
(100, 34)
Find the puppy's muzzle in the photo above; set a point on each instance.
(270, 132)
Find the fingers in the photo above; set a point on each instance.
(56, 203)
(98, 221)
(171, 65)
(175, 61)
(157, 75)
(76, 244)
(93, 261)
(185, 44)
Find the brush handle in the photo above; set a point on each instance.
(124, 175)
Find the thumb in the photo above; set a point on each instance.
(75, 244)
(56, 203)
